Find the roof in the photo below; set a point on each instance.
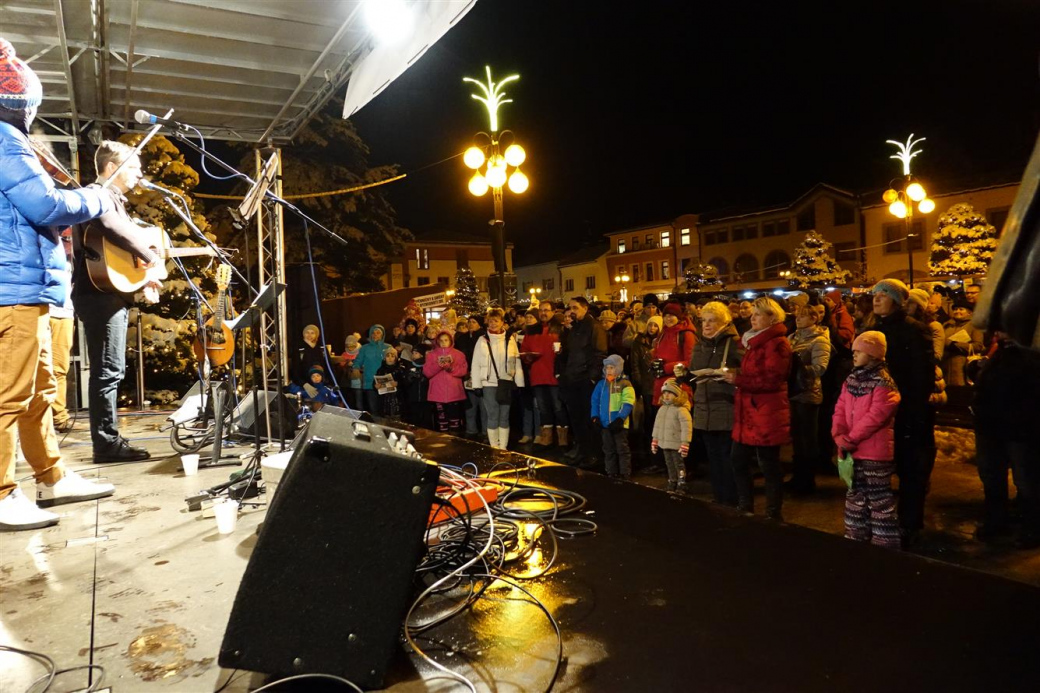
(452, 238)
(728, 213)
(587, 254)
(248, 70)
(637, 229)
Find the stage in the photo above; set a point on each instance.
(670, 594)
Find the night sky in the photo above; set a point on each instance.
(634, 116)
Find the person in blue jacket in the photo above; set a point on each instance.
(612, 401)
(369, 360)
(33, 276)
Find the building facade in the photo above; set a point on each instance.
(434, 258)
(584, 273)
(652, 257)
(543, 277)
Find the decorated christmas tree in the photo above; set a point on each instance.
(814, 267)
(466, 300)
(964, 243)
(168, 327)
(700, 277)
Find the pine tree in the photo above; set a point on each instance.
(701, 277)
(964, 243)
(814, 267)
(168, 327)
(466, 300)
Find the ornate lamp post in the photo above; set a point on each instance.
(904, 193)
(496, 159)
(534, 291)
(623, 280)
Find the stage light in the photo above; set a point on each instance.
(389, 20)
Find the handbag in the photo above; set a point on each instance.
(504, 391)
(845, 465)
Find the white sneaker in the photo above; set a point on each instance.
(18, 512)
(71, 488)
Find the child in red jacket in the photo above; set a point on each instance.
(863, 426)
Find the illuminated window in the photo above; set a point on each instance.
(684, 237)
(666, 270)
(666, 239)
(621, 246)
(422, 259)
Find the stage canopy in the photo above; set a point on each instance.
(247, 70)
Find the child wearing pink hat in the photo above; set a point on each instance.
(863, 427)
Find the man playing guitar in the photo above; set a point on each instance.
(104, 313)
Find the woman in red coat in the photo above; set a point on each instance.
(761, 411)
(674, 346)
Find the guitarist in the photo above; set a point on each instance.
(104, 314)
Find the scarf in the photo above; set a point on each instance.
(863, 380)
(751, 334)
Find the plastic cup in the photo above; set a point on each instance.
(190, 464)
(556, 347)
(226, 513)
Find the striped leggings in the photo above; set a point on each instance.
(870, 505)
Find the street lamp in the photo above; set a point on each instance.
(495, 160)
(903, 195)
(534, 291)
(622, 279)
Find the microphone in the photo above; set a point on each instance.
(145, 118)
(149, 185)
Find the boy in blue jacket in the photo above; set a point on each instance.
(612, 403)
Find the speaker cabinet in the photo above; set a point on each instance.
(246, 416)
(331, 577)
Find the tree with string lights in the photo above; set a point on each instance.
(964, 244)
(813, 265)
(466, 300)
(703, 277)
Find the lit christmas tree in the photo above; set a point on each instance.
(701, 277)
(814, 267)
(964, 243)
(466, 300)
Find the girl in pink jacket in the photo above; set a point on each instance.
(445, 368)
(863, 426)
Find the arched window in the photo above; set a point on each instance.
(776, 262)
(745, 269)
(722, 266)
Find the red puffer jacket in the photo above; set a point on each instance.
(761, 411)
(542, 367)
(675, 345)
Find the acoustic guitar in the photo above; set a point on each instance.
(219, 345)
(112, 268)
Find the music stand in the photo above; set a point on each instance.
(253, 198)
(264, 300)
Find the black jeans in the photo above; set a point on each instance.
(768, 457)
(995, 455)
(104, 318)
(804, 438)
(915, 458)
(719, 445)
(578, 399)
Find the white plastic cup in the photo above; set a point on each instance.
(226, 513)
(190, 464)
(556, 347)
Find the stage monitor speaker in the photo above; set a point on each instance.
(245, 416)
(332, 574)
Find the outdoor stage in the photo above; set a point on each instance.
(671, 594)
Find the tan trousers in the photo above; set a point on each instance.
(26, 392)
(61, 347)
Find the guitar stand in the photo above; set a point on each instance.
(221, 398)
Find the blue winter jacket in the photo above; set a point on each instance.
(32, 261)
(370, 358)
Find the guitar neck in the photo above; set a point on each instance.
(218, 319)
(186, 252)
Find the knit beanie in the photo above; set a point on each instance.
(894, 289)
(316, 369)
(963, 303)
(672, 308)
(798, 300)
(672, 386)
(920, 297)
(20, 88)
(608, 315)
(352, 340)
(872, 343)
(834, 295)
(657, 321)
(617, 362)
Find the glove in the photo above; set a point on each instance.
(684, 449)
(595, 420)
(653, 446)
(845, 444)
(617, 425)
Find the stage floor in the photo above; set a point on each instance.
(670, 594)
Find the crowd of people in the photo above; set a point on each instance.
(713, 387)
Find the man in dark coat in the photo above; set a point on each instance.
(578, 368)
(911, 361)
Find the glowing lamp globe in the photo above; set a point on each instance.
(890, 196)
(496, 176)
(478, 185)
(915, 192)
(473, 158)
(927, 205)
(515, 155)
(518, 182)
(898, 209)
